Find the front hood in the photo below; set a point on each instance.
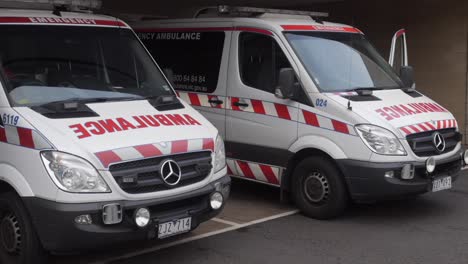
(403, 113)
(121, 126)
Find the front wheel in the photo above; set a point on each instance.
(319, 189)
(19, 243)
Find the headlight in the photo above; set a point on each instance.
(380, 140)
(73, 174)
(220, 155)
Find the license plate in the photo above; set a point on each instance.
(174, 227)
(442, 184)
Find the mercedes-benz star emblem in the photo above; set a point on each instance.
(170, 172)
(439, 142)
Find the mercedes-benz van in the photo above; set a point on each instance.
(95, 146)
(309, 106)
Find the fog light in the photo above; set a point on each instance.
(430, 165)
(389, 174)
(465, 157)
(142, 217)
(407, 173)
(84, 220)
(216, 200)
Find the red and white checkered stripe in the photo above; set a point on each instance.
(271, 109)
(202, 99)
(313, 119)
(429, 126)
(154, 150)
(24, 137)
(262, 108)
(254, 171)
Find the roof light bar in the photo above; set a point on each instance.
(225, 9)
(72, 5)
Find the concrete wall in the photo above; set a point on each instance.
(437, 34)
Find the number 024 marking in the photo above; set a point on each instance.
(321, 103)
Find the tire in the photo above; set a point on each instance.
(19, 243)
(319, 189)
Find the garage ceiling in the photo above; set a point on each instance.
(180, 8)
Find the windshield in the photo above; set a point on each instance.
(342, 61)
(44, 64)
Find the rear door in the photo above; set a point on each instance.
(260, 126)
(197, 59)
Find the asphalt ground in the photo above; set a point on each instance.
(256, 228)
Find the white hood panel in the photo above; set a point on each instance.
(120, 125)
(401, 112)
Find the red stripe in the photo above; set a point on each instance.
(439, 124)
(25, 137)
(269, 174)
(194, 100)
(282, 111)
(108, 157)
(3, 137)
(430, 126)
(310, 118)
(234, 107)
(340, 126)
(258, 107)
(61, 21)
(406, 130)
(148, 151)
(415, 129)
(208, 143)
(205, 29)
(321, 28)
(423, 128)
(180, 146)
(229, 171)
(246, 171)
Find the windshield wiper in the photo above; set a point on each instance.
(162, 99)
(79, 104)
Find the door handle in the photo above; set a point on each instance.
(215, 101)
(241, 104)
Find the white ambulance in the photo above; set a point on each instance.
(308, 105)
(95, 146)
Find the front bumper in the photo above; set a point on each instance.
(57, 230)
(367, 181)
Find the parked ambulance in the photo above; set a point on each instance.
(309, 106)
(95, 146)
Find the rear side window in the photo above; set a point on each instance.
(193, 58)
(260, 61)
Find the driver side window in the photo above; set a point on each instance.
(260, 61)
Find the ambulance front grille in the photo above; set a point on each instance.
(422, 144)
(143, 176)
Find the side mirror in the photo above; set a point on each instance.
(407, 76)
(286, 83)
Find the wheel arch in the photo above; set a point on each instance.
(12, 180)
(311, 146)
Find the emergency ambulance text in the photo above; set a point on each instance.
(101, 127)
(398, 111)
